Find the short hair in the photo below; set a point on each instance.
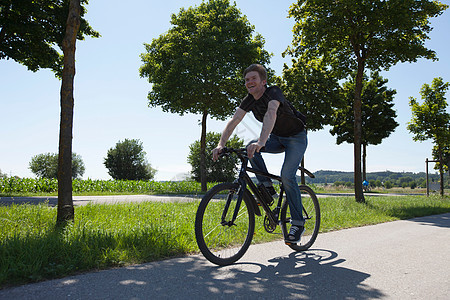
(258, 68)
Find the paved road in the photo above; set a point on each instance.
(397, 260)
(83, 200)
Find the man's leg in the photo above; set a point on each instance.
(295, 149)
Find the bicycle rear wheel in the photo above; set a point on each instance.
(311, 213)
(220, 242)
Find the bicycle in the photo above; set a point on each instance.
(225, 219)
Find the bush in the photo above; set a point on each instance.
(45, 165)
(348, 184)
(388, 184)
(127, 162)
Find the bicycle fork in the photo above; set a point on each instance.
(230, 223)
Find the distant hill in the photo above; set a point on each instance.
(330, 177)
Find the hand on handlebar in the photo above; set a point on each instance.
(216, 153)
(252, 148)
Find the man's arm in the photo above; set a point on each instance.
(229, 128)
(268, 123)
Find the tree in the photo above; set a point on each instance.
(196, 67)
(3, 175)
(29, 30)
(223, 170)
(45, 165)
(127, 161)
(350, 35)
(377, 114)
(431, 120)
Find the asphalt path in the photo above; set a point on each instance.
(83, 200)
(406, 259)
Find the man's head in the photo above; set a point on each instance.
(257, 68)
(255, 80)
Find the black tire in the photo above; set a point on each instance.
(311, 213)
(223, 244)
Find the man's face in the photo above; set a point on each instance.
(254, 84)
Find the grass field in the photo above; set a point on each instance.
(105, 236)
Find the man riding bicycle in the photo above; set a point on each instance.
(283, 130)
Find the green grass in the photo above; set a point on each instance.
(105, 236)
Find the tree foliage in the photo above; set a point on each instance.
(223, 170)
(380, 33)
(196, 66)
(445, 157)
(45, 165)
(430, 120)
(313, 90)
(378, 115)
(126, 161)
(351, 35)
(30, 30)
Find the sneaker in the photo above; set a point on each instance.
(295, 234)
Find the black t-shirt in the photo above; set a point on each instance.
(288, 120)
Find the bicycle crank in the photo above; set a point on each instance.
(269, 226)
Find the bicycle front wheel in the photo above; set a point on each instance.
(311, 214)
(221, 242)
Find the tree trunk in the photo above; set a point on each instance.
(441, 169)
(65, 210)
(203, 153)
(357, 109)
(364, 156)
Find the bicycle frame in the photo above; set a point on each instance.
(244, 180)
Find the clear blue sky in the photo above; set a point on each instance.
(111, 98)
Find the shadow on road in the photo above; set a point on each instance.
(314, 274)
(435, 220)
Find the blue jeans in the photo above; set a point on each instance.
(294, 148)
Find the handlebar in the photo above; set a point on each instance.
(240, 152)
